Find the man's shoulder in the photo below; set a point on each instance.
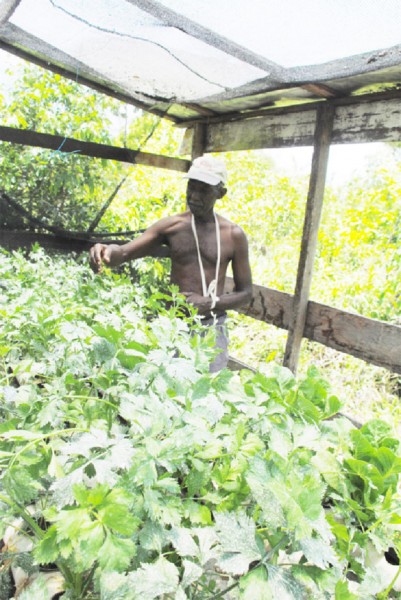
(171, 220)
(234, 228)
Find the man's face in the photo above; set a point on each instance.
(201, 197)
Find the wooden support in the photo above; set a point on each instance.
(7, 8)
(370, 340)
(324, 126)
(198, 140)
(358, 119)
(69, 145)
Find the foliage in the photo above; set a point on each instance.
(140, 475)
(62, 189)
(358, 262)
(67, 190)
(357, 267)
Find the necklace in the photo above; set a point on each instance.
(212, 289)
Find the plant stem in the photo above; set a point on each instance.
(43, 437)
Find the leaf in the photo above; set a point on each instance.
(254, 585)
(47, 550)
(116, 514)
(153, 537)
(283, 584)
(20, 485)
(21, 435)
(154, 579)
(330, 469)
(258, 478)
(343, 593)
(198, 514)
(37, 590)
(207, 542)
(116, 553)
(192, 572)
(183, 542)
(201, 388)
(236, 535)
(89, 546)
(115, 586)
(319, 553)
(70, 523)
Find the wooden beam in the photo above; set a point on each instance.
(270, 110)
(318, 89)
(324, 127)
(370, 340)
(236, 365)
(7, 7)
(15, 240)
(67, 145)
(174, 19)
(357, 120)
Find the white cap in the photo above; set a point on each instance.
(207, 169)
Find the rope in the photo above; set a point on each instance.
(212, 289)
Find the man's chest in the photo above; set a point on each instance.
(183, 245)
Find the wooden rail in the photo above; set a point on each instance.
(374, 341)
(57, 143)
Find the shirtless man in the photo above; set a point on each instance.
(201, 245)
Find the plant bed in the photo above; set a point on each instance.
(139, 475)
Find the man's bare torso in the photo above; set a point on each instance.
(185, 270)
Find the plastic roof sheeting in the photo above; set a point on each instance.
(198, 58)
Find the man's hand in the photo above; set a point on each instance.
(202, 303)
(99, 254)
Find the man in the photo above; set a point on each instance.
(201, 245)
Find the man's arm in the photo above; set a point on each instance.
(150, 243)
(242, 275)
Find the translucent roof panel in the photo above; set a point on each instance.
(300, 32)
(132, 48)
(204, 58)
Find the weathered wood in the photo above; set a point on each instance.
(318, 89)
(269, 110)
(7, 7)
(198, 140)
(236, 365)
(324, 126)
(355, 122)
(15, 240)
(60, 144)
(373, 341)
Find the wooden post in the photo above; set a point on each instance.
(198, 140)
(322, 138)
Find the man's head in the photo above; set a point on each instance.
(207, 177)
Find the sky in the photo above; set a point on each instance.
(346, 161)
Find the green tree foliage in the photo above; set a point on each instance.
(67, 190)
(64, 190)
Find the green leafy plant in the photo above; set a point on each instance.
(133, 473)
